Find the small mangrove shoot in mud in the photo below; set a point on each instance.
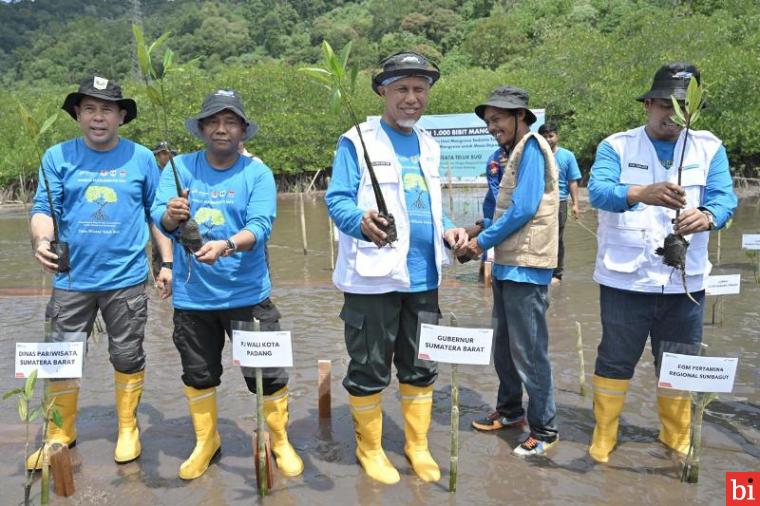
(674, 249)
(341, 82)
(153, 75)
(35, 132)
(49, 413)
(454, 458)
(699, 401)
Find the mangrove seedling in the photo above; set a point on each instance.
(49, 413)
(699, 401)
(674, 249)
(341, 82)
(35, 133)
(153, 75)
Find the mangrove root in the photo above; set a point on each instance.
(673, 254)
(190, 235)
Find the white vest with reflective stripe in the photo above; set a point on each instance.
(626, 257)
(362, 267)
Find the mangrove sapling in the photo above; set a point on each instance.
(340, 82)
(35, 133)
(699, 401)
(152, 73)
(49, 413)
(674, 249)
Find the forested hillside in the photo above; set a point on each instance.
(583, 60)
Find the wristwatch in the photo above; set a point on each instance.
(231, 245)
(710, 218)
(167, 265)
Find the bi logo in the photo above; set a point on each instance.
(740, 489)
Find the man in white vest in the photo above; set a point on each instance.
(633, 184)
(389, 286)
(524, 233)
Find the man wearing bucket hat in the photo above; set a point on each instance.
(633, 184)
(101, 187)
(233, 200)
(388, 288)
(524, 233)
(163, 153)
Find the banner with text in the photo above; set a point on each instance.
(455, 345)
(52, 360)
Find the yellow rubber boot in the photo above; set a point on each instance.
(675, 415)
(367, 413)
(276, 415)
(208, 444)
(609, 397)
(66, 394)
(128, 389)
(417, 406)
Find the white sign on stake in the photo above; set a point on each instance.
(750, 241)
(455, 345)
(262, 349)
(727, 284)
(697, 374)
(52, 360)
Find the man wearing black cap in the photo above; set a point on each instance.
(388, 286)
(524, 233)
(233, 199)
(101, 187)
(163, 153)
(633, 184)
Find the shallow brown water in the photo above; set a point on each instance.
(640, 470)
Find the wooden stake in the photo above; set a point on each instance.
(303, 225)
(311, 185)
(454, 459)
(45, 481)
(487, 270)
(581, 363)
(451, 193)
(331, 233)
(325, 403)
(262, 468)
(60, 465)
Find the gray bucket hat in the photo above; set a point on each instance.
(102, 89)
(671, 79)
(507, 97)
(405, 64)
(218, 101)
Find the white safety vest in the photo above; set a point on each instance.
(362, 267)
(627, 241)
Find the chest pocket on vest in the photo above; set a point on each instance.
(636, 175)
(693, 181)
(624, 251)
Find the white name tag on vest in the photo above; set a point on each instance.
(728, 284)
(52, 360)
(262, 349)
(455, 345)
(697, 374)
(750, 241)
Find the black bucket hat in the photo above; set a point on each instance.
(508, 97)
(671, 79)
(218, 101)
(163, 146)
(405, 64)
(102, 89)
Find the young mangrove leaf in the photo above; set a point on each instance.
(158, 42)
(679, 118)
(47, 124)
(31, 381)
(168, 58)
(23, 408)
(11, 393)
(56, 418)
(35, 414)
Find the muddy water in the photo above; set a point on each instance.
(640, 471)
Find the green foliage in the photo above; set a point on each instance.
(24, 397)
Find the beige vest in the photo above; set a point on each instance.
(536, 243)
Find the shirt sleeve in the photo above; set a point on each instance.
(165, 191)
(152, 176)
(344, 187)
(525, 199)
(447, 223)
(262, 203)
(604, 188)
(493, 180)
(719, 196)
(573, 171)
(41, 204)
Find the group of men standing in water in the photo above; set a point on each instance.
(105, 193)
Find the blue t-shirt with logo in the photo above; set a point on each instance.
(223, 202)
(567, 168)
(102, 205)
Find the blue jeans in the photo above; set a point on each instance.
(628, 318)
(521, 355)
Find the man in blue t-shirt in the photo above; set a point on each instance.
(523, 231)
(224, 284)
(569, 175)
(390, 287)
(100, 187)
